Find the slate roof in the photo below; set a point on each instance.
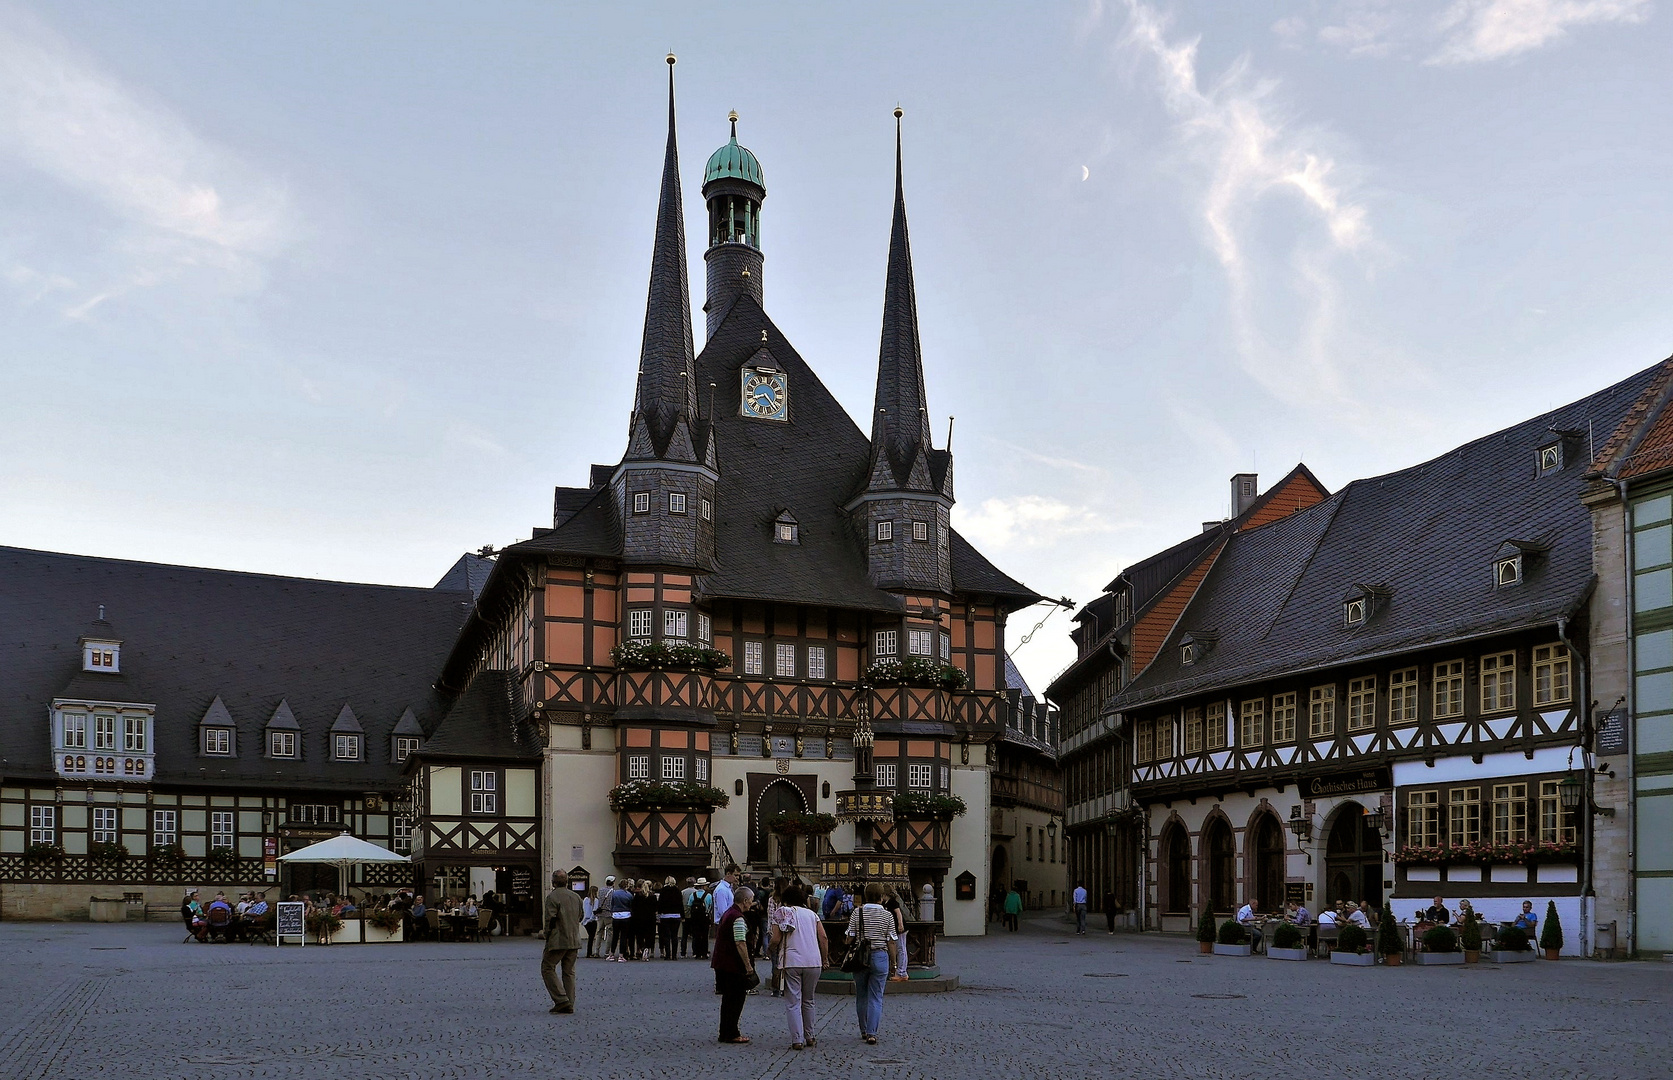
(469, 574)
(482, 724)
(1273, 601)
(1643, 442)
(253, 641)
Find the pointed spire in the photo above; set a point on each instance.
(666, 399)
(900, 419)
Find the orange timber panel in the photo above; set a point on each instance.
(1153, 626)
(1297, 494)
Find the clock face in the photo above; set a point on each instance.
(765, 394)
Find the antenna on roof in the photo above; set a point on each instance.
(950, 420)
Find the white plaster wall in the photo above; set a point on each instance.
(577, 802)
(732, 821)
(970, 847)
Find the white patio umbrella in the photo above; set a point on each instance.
(343, 852)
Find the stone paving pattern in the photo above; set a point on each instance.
(130, 1001)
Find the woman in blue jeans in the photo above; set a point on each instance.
(873, 926)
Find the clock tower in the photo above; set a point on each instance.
(734, 189)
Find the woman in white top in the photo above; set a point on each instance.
(874, 927)
(800, 951)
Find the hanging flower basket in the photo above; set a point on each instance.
(919, 804)
(168, 853)
(106, 852)
(792, 823)
(657, 656)
(685, 794)
(919, 671)
(43, 853)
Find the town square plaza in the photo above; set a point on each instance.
(131, 1001)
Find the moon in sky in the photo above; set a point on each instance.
(1085, 172)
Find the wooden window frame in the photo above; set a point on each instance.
(784, 661)
(1553, 666)
(1362, 703)
(1463, 816)
(1447, 689)
(1286, 717)
(104, 825)
(1193, 730)
(165, 828)
(1321, 711)
(218, 818)
(1402, 696)
(1557, 825)
(1510, 813)
(217, 741)
(1423, 818)
(281, 744)
(1251, 722)
(1214, 726)
(641, 502)
(1498, 682)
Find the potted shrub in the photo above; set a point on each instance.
(1205, 932)
(1511, 947)
(1440, 946)
(322, 924)
(922, 804)
(793, 823)
(1353, 947)
(1287, 943)
(1471, 938)
(168, 854)
(1551, 935)
(1233, 939)
(106, 852)
(41, 853)
(387, 921)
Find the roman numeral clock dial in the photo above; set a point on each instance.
(766, 394)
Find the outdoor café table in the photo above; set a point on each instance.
(459, 923)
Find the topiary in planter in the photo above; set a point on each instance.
(1442, 939)
(1511, 939)
(1232, 932)
(1351, 939)
(1388, 934)
(1286, 937)
(1205, 927)
(1551, 936)
(1472, 933)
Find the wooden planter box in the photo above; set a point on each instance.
(1230, 950)
(1498, 957)
(1274, 953)
(1440, 958)
(1353, 959)
(375, 936)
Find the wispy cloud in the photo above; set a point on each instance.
(1251, 160)
(1049, 460)
(1026, 521)
(1482, 30)
(1454, 32)
(185, 202)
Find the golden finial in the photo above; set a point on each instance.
(733, 117)
(899, 112)
(671, 60)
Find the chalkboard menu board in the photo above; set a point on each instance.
(1295, 892)
(522, 881)
(287, 921)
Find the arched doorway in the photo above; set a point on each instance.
(1126, 867)
(780, 796)
(1175, 848)
(1353, 860)
(1266, 841)
(1220, 866)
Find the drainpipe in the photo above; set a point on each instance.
(1631, 823)
(1583, 697)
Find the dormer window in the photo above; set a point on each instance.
(1188, 653)
(1508, 571)
(281, 744)
(1516, 559)
(1363, 601)
(1195, 645)
(404, 746)
(347, 747)
(100, 658)
(786, 530)
(217, 740)
(1353, 612)
(1551, 458)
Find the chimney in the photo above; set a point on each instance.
(1243, 492)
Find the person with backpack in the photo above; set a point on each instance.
(698, 916)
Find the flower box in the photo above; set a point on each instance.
(1231, 950)
(1440, 958)
(1352, 959)
(374, 935)
(1276, 953)
(1525, 956)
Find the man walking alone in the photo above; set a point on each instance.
(1080, 909)
(563, 941)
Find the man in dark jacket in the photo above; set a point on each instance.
(562, 930)
(732, 966)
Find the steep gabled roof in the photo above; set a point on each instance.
(482, 724)
(1427, 534)
(1642, 443)
(469, 574)
(263, 645)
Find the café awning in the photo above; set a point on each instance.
(343, 851)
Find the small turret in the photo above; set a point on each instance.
(734, 189)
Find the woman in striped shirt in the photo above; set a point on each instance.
(872, 925)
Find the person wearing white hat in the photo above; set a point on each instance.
(699, 916)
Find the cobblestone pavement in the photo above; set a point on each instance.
(83, 1000)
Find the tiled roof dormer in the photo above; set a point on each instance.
(1362, 602)
(217, 734)
(407, 736)
(347, 736)
(1515, 560)
(1195, 645)
(284, 734)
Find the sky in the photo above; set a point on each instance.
(344, 290)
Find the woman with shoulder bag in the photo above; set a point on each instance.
(871, 928)
(797, 939)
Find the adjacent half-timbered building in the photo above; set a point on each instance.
(1381, 696)
(168, 726)
(1029, 847)
(696, 634)
(1117, 636)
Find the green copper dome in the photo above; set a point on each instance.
(735, 162)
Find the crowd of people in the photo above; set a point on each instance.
(734, 924)
(1366, 917)
(225, 919)
(240, 920)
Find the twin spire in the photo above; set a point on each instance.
(665, 403)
